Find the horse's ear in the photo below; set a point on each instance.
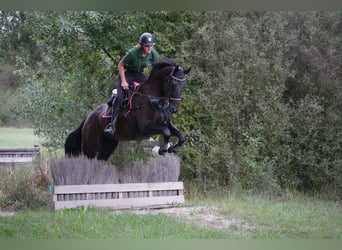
(186, 71)
(176, 68)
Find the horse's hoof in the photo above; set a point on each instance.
(171, 150)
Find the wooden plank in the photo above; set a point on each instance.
(122, 203)
(127, 187)
(18, 154)
(128, 195)
(19, 149)
(16, 159)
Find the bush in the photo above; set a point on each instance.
(23, 189)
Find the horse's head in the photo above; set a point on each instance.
(174, 86)
(170, 79)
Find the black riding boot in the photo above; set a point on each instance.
(110, 128)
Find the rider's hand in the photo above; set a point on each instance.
(124, 85)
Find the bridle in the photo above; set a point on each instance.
(179, 80)
(166, 98)
(176, 78)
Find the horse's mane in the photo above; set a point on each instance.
(165, 62)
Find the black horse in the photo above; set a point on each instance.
(150, 113)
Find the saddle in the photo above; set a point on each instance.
(126, 104)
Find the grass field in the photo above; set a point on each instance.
(13, 137)
(254, 217)
(99, 224)
(288, 217)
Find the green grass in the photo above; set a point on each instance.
(13, 137)
(86, 223)
(295, 217)
(259, 218)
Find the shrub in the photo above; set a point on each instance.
(20, 190)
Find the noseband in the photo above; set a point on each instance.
(179, 80)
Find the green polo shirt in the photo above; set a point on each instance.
(134, 61)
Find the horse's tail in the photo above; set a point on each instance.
(73, 142)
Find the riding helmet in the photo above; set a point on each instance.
(147, 39)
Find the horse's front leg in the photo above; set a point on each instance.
(164, 147)
(181, 138)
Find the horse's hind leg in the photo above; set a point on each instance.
(107, 148)
(90, 145)
(89, 152)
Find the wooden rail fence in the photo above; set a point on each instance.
(18, 154)
(118, 196)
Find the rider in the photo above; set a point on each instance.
(131, 69)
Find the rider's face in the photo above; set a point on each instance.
(148, 48)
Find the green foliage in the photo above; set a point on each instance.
(256, 75)
(262, 109)
(22, 190)
(316, 147)
(8, 85)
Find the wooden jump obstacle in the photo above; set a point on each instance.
(18, 154)
(118, 196)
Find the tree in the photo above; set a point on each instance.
(257, 71)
